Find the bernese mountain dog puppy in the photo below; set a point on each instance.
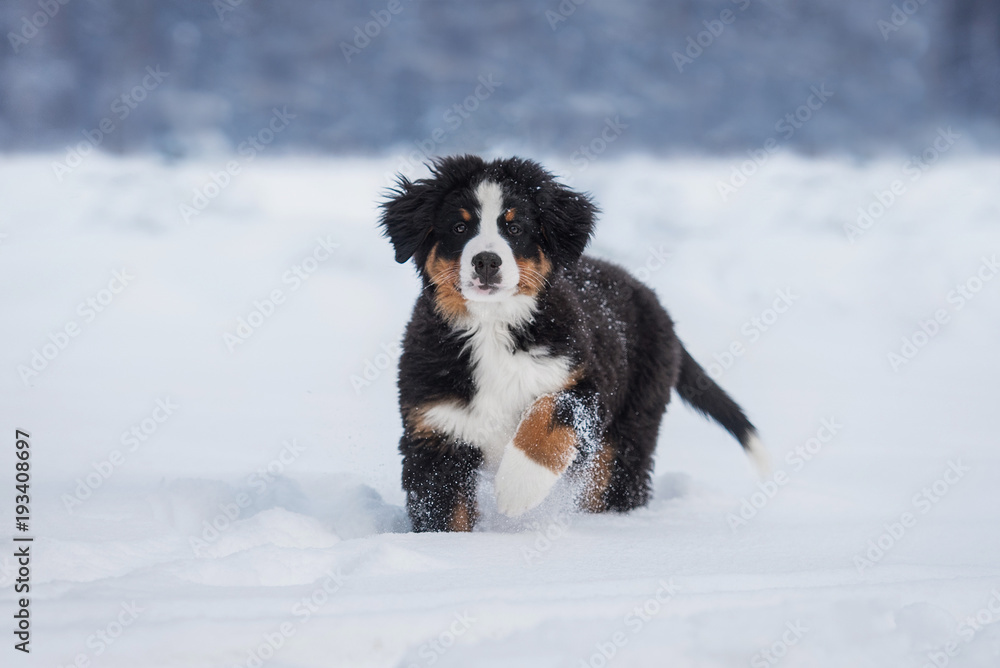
(524, 358)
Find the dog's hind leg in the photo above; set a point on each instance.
(633, 432)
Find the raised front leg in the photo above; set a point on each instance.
(545, 444)
(440, 482)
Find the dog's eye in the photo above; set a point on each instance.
(460, 228)
(514, 229)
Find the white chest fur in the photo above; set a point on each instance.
(506, 381)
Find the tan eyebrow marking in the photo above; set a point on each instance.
(466, 216)
(509, 216)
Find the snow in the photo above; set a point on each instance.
(287, 442)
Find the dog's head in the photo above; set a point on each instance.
(487, 231)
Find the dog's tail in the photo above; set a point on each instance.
(702, 393)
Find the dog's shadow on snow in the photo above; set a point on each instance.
(350, 509)
(670, 486)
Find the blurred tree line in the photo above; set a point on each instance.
(713, 75)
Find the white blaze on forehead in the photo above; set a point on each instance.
(490, 198)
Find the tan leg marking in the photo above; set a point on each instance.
(598, 477)
(542, 440)
(463, 516)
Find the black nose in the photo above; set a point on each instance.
(487, 266)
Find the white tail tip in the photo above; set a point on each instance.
(758, 456)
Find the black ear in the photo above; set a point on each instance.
(405, 217)
(567, 221)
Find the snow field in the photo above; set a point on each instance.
(215, 480)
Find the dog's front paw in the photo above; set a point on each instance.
(521, 483)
